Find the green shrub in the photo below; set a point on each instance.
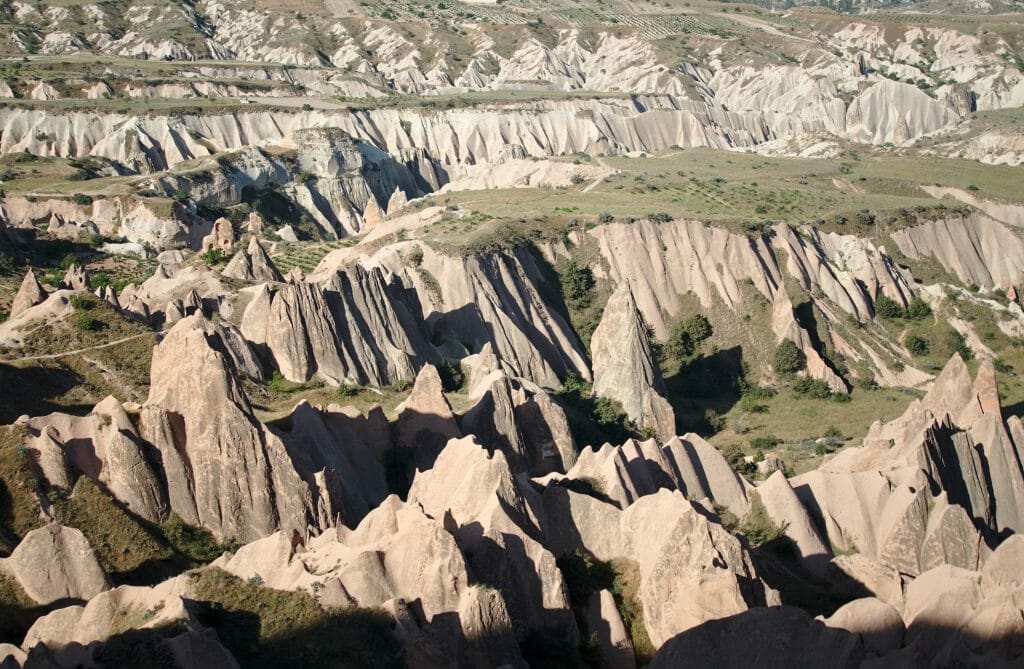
(195, 543)
(788, 359)
(917, 345)
(757, 526)
(263, 627)
(734, 455)
(958, 344)
(83, 302)
(765, 443)
(686, 336)
(605, 217)
(415, 257)
(815, 388)
(81, 199)
(749, 404)
(213, 256)
(86, 323)
(918, 309)
(886, 307)
(577, 283)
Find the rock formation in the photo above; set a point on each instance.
(252, 264)
(55, 563)
(625, 369)
(29, 294)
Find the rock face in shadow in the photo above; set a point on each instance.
(54, 563)
(743, 640)
(348, 330)
(425, 421)
(493, 298)
(637, 468)
(935, 486)
(524, 422)
(625, 369)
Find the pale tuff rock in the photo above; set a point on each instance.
(858, 574)
(12, 657)
(494, 298)
(397, 554)
(424, 421)
(977, 249)
(76, 278)
(841, 266)
(663, 261)
(353, 179)
(784, 507)
(603, 619)
(878, 623)
(785, 327)
(319, 442)
(691, 569)
(252, 264)
(105, 447)
(232, 475)
(222, 237)
(688, 464)
(525, 423)
(897, 113)
(928, 488)
(625, 369)
(54, 563)
(347, 330)
(481, 370)
(29, 295)
(493, 518)
(68, 637)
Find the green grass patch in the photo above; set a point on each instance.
(273, 628)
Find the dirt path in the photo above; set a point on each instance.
(609, 171)
(51, 356)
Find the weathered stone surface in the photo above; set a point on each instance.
(54, 563)
(29, 294)
(239, 474)
(744, 640)
(860, 575)
(222, 236)
(877, 622)
(784, 507)
(624, 366)
(76, 278)
(252, 264)
(425, 420)
(348, 330)
(603, 619)
(688, 464)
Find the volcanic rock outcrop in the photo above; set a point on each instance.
(625, 369)
(347, 330)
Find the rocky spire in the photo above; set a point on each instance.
(29, 295)
(624, 366)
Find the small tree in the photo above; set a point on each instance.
(886, 307)
(788, 359)
(918, 309)
(958, 344)
(917, 345)
(577, 282)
